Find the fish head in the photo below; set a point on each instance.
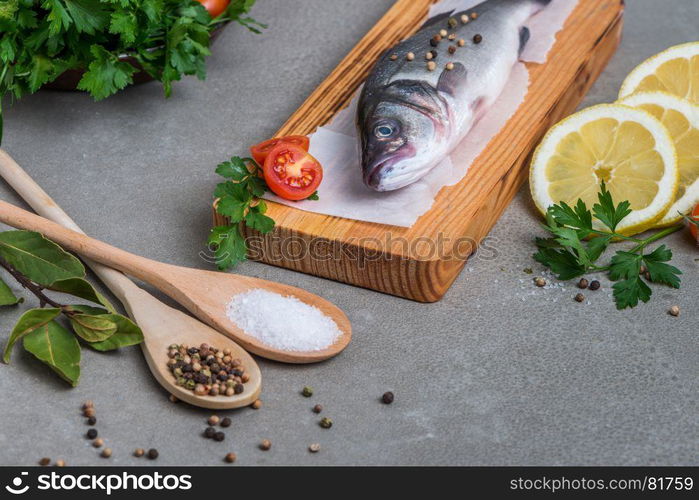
(396, 143)
(400, 142)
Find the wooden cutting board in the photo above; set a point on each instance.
(421, 262)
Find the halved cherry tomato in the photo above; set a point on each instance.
(693, 227)
(260, 151)
(291, 172)
(215, 7)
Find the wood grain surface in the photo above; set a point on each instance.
(421, 262)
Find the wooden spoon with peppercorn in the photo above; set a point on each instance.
(206, 294)
(162, 325)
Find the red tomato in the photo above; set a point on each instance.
(215, 7)
(291, 172)
(260, 151)
(693, 227)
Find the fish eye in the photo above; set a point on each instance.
(384, 131)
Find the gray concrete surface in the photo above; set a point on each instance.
(496, 373)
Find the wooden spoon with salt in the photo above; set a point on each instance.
(161, 324)
(205, 294)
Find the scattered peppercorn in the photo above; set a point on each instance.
(580, 297)
(45, 461)
(257, 404)
(449, 66)
(452, 22)
(209, 432)
(91, 434)
(206, 370)
(540, 282)
(307, 392)
(326, 423)
(394, 57)
(452, 49)
(173, 399)
(443, 33)
(139, 452)
(98, 443)
(89, 412)
(219, 436)
(314, 448)
(583, 283)
(465, 19)
(92, 421)
(431, 66)
(153, 454)
(266, 444)
(230, 458)
(674, 311)
(317, 408)
(595, 285)
(474, 15)
(477, 39)
(410, 56)
(642, 270)
(226, 422)
(213, 420)
(528, 270)
(452, 36)
(88, 404)
(461, 42)
(60, 463)
(435, 40)
(388, 398)
(106, 453)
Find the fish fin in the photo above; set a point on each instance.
(449, 80)
(524, 36)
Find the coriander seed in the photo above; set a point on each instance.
(674, 311)
(465, 19)
(326, 423)
(257, 404)
(139, 452)
(230, 458)
(387, 398)
(307, 392)
(431, 66)
(449, 66)
(314, 448)
(410, 56)
(106, 453)
(443, 33)
(60, 463)
(461, 42)
(266, 444)
(213, 420)
(98, 443)
(153, 454)
(394, 57)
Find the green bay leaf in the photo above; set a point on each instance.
(56, 347)
(7, 296)
(38, 258)
(127, 334)
(28, 322)
(80, 287)
(93, 328)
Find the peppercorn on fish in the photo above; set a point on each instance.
(414, 110)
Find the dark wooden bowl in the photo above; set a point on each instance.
(69, 79)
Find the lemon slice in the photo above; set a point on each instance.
(628, 149)
(681, 118)
(675, 70)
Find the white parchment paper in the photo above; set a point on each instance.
(336, 145)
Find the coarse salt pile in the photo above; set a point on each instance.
(281, 322)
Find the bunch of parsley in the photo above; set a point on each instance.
(577, 245)
(40, 39)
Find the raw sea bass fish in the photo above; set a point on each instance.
(412, 113)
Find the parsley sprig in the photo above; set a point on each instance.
(239, 199)
(577, 245)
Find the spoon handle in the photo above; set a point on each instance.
(45, 206)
